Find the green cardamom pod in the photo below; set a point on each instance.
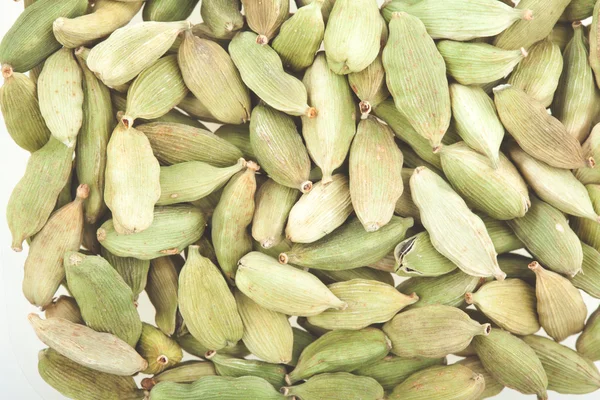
(265, 17)
(194, 347)
(64, 307)
(238, 136)
(217, 388)
(594, 41)
(589, 278)
(588, 343)
(578, 10)
(336, 386)
(167, 10)
(238, 367)
(492, 386)
(369, 86)
(502, 235)
(133, 271)
(416, 256)
(197, 109)
(591, 147)
(222, 17)
(329, 277)
(515, 266)
(273, 205)
(162, 286)
(561, 35)
(185, 372)
(301, 340)
(325, 8)
(405, 206)
(159, 350)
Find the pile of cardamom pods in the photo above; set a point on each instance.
(429, 139)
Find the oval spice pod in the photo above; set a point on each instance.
(113, 312)
(159, 350)
(371, 274)
(300, 37)
(206, 303)
(96, 350)
(107, 16)
(352, 35)
(30, 39)
(451, 225)
(375, 157)
(537, 132)
(432, 331)
(416, 256)
(230, 220)
(222, 17)
(589, 278)
(238, 136)
(510, 304)
(591, 147)
(476, 120)
(340, 351)
(221, 386)
(33, 198)
(184, 372)
(538, 74)
(76, 381)
(133, 271)
(283, 288)
(279, 149)
(265, 17)
(131, 49)
(194, 347)
(267, 334)
(369, 302)
(98, 124)
(547, 235)
(195, 108)
(492, 386)
(62, 232)
(501, 192)
(575, 100)
(336, 386)
(428, 108)
(329, 134)
(325, 8)
(313, 330)
(558, 187)
(64, 307)
(172, 230)
(301, 340)
(405, 207)
(212, 77)
(578, 10)
(132, 179)
(452, 382)
(369, 86)
(502, 235)
(166, 10)
(61, 96)
(588, 343)
(344, 248)
(560, 307)
(319, 212)
(515, 266)
(587, 230)
(161, 288)
(238, 367)
(262, 71)
(594, 41)
(18, 98)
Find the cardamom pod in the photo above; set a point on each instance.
(416, 256)
(405, 207)
(325, 8)
(502, 235)
(238, 136)
(578, 10)
(371, 274)
(594, 41)
(301, 340)
(492, 386)
(133, 271)
(194, 347)
(64, 307)
(161, 287)
(238, 367)
(217, 388)
(222, 17)
(265, 17)
(369, 86)
(167, 10)
(159, 350)
(588, 342)
(184, 372)
(561, 35)
(591, 147)
(336, 386)
(196, 108)
(589, 278)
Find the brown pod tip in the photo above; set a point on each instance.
(311, 112)
(83, 191)
(162, 359)
(437, 148)
(365, 109)
(487, 329)
(80, 49)
(287, 379)
(7, 71)
(101, 234)
(469, 298)
(251, 165)
(284, 390)
(262, 40)
(127, 121)
(576, 24)
(16, 246)
(306, 187)
(590, 162)
(535, 266)
(210, 354)
(283, 258)
(527, 15)
(148, 383)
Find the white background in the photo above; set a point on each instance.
(19, 346)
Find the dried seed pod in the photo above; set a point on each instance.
(222, 17)
(196, 108)
(369, 86)
(301, 340)
(336, 386)
(313, 330)
(64, 307)
(594, 41)
(362, 273)
(589, 278)
(416, 256)
(133, 271)
(194, 347)
(217, 387)
(238, 367)
(265, 17)
(159, 350)
(185, 372)
(578, 10)
(325, 8)
(502, 235)
(588, 343)
(492, 386)
(405, 207)
(239, 136)
(591, 147)
(166, 10)
(162, 286)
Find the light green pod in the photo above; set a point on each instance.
(44, 272)
(453, 382)
(194, 347)
(30, 39)
(168, 10)
(352, 36)
(239, 136)
(132, 183)
(502, 235)
(193, 180)
(561, 35)
(172, 230)
(336, 386)
(320, 211)
(340, 351)
(238, 367)
(212, 77)
(262, 71)
(300, 37)
(283, 288)
(159, 350)
(206, 303)
(591, 147)
(512, 362)
(417, 80)
(545, 232)
(515, 266)
(64, 307)
(492, 386)
(265, 17)
(526, 32)
(537, 132)
(33, 198)
(279, 148)
(405, 207)
(61, 96)
(578, 10)
(325, 8)
(185, 372)
(131, 49)
(568, 371)
(589, 278)
(369, 86)
(222, 17)
(114, 311)
(344, 248)
(313, 330)
(21, 111)
(588, 343)
(587, 230)
(329, 277)
(301, 340)
(217, 388)
(65, 195)
(369, 302)
(107, 16)
(328, 135)
(174, 143)
(416, 256)
(161, 287)
(133, 271)
(209, 203)
(194, 107)
(76, 381)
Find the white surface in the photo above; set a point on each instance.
(19, 379)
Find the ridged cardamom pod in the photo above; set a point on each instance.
(405, 207)
(578, 10)
(159, 350)
(316, 331)
(279, 149)
(502, 236)
(265, 17)
(131, 49)
(30, 39)
(344, 248)
(194, 347)
(63, 232)
(433, 331)
(262, 71)
(172, 230)
(283, 288)
(222, 17)
(369, 302)
(560, 307)
(340, 351)
(238, 136)
(107, 16)
(132, 184)
(546, 233)
(301, 340)
(587, 230)
(217, 388)
(371, 274)
(273, 205)
(336, 386)
(167, 10)
(453, 382)
(417, 80)
(416, 256)
(206, 303)
(238, 367)
(515, 266)
(96, 350)
(369, 86)
(114, 311)
(184, 372)
(133, 271)
(325, 8)
(196, 108)
(162, 286)
(492, 386)
(64, 307)
(594, 42)
(588, 343)
(537, 132)
(561, 35)
(591, 147)
(589, 278)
